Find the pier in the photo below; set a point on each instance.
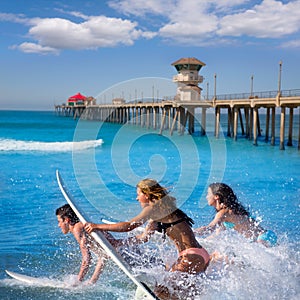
(174, 115)
(179, 113)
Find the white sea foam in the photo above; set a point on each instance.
(19, 145)
(250, 271)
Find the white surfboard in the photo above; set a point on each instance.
(36, 280)
(105, 244)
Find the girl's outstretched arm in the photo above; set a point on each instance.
(211, 227)
(135, 222)
(204, 230)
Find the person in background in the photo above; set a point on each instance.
(69, 223)
(231, 214)
(159, 208)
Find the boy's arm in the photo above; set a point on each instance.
(98, 270)
(85, 252)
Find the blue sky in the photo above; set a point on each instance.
(51, 50)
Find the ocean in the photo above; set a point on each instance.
(101, 164)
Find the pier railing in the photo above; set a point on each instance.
(264, 94)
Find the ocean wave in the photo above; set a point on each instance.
(18, 145)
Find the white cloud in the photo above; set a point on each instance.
(291, 44)
(185, 22)
(19, 18)
(79, 15)
(228, 4)
(34, 48)
(204, 22)
(143, 7)
(50, 35)
(96, 32)
(270, 19)
(190, 23)
(167, 7)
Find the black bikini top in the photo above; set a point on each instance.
(162, 227)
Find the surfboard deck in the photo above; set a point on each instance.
(105, 244)
(22, 277)
(35, 280)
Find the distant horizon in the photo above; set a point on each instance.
(139, 99)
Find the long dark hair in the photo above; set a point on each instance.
(228, 198)
(66, 211)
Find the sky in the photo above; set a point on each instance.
(51, 50)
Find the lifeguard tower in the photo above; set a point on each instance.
(188, 79)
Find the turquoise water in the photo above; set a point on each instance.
(101, 164)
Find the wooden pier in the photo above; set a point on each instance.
(174, 115)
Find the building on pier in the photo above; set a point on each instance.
(188, 79)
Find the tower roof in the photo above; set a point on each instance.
(188, 61)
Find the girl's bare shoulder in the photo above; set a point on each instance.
(221, 214)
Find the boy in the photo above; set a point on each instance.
(68, 222)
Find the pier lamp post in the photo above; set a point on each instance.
(251, 87)
(215, 88)
(279, 77)
(152, 93)
(207, 90)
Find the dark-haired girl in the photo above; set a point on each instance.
(231, 214)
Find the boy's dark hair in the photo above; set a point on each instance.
(66, 211)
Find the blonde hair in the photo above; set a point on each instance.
(158, 195)
(152, 189)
